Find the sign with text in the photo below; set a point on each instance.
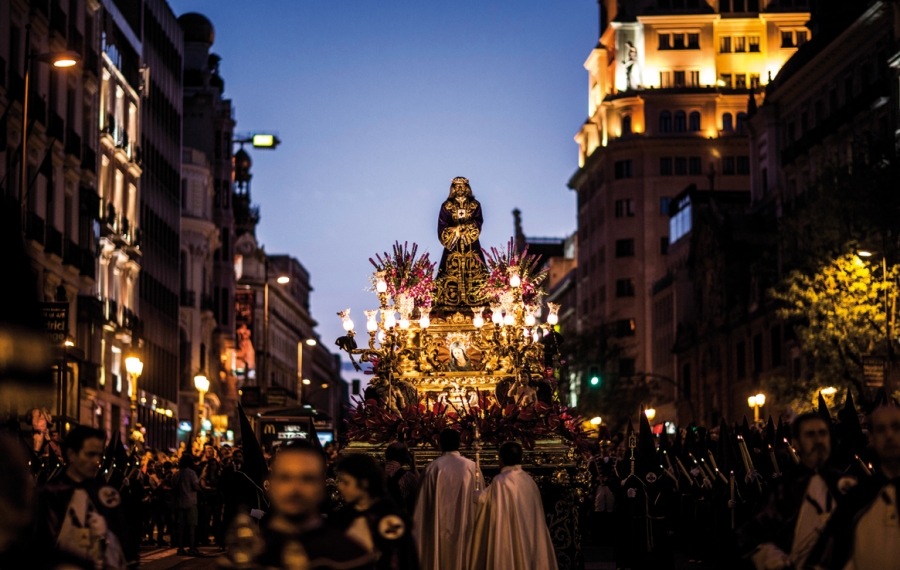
(278, 431)
(276, 396)
(56, 321)
(873, 370)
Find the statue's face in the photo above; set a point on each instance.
(459, 190)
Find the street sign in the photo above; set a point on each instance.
(873, 370)
(276, 396)
(56, 321)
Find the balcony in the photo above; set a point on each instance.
(34, 228)
(88, 158)
(87, 263)
(54, 243)
(56, 128)
(73, 144)
(131, 321)
(71, 253)
(188, 298)
(89, 202)
(110, 311)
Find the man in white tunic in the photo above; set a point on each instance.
(864, 532)
(445, 509)
(511, 531)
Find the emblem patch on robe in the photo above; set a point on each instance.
(109, 497)
(391, 527)
(651, 477)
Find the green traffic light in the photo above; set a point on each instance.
(595, 381)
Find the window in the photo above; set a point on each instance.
(624, 208)
(626, 365)
(754, 81)
(727, 165)
(740, 44)
(665, 41)
(743, 165)
(626, 124)
(694, 121)
(741, 122)
(664, 204)
(679, 78)
(623, 169)
(740, 81)
(694, 78)
(787, 39)
(624, 288)
(775, 341)
(680, 121)
(757, 353)
(665, 122)
(695, 166)
(680, 223)
(740, 360)
(665, 166)
(665, 79)
(693, 41)
(664, 245)
(625, 327)
(801, 37)
(680, 166)
(725, 80)
(678, 41)
(725, 44)
(625, 248)
(686, 380)
(727, 125)
(753, 43)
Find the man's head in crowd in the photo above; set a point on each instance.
(812, 439)
(398, 452)
(83, 450)
(885, 438)
(209, 451)
(359, 478)
(449, 440)
(510, 454)
(237, 457)
(297, 481)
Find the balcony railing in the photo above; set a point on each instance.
(88, 158)
(73, 143)
(71, 253)
(34, 228)
(54, 243)
(188, 298)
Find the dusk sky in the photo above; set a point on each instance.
(379, 104)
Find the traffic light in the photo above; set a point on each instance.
(594, 377)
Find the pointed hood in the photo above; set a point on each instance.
(254, 461)
(823, 409)
(769, 434)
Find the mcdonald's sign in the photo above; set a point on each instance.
(269, 429)
(277, 431)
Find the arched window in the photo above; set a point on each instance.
(626, 124)
(741, 122)
(665, 122)
(727, 124)
(680, 121)
(694, 121)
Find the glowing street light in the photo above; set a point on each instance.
(596, 421)
(134, 367)
(756, 402)
(650, 413)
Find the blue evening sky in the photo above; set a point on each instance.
(380, 103)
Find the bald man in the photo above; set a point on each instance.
(864, 532)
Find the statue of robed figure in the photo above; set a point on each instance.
(462, 267)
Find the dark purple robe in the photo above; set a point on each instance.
(446, 219)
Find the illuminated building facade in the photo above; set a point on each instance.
(669, 86)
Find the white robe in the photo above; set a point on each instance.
(511, 532)
(445, 512)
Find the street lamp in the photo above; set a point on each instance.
(650, 413)
(59, 60)
(201, 383)
(281, 280)
(887, 318)
(596, 421)
(135, 368)
(756, 402)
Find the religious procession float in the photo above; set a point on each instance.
(467, 347)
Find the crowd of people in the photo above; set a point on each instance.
(818, 493)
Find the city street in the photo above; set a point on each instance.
(154, 558)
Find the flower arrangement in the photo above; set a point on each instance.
(406, 274)
(417, 424)
(500, 262)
